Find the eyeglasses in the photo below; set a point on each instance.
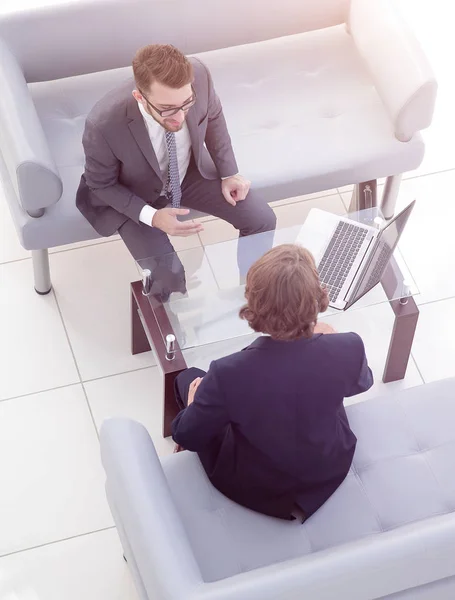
(169, 112)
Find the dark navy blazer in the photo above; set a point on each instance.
(269, 425)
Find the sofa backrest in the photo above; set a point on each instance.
(95, 35)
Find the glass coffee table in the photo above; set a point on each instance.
(192, 298)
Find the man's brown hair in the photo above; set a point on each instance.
(162, 63)
(284, 294)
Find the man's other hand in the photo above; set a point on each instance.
(166, 220)
(235, 188)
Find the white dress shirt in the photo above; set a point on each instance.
(158, 138)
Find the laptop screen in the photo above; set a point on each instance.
(385, 245)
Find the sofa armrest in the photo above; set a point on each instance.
(400, 70)
(23, 145)
(148, 517)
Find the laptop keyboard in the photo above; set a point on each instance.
(383, 259)
(339, 257)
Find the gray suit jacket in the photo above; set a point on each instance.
(122, 174)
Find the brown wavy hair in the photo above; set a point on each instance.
(284, 295)
(162, 63)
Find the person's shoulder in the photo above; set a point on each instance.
(112, 107)
(236, 360)
(199, 67)
(349, 341)
(201, 72)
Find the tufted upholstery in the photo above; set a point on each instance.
(304, 114)
(391, 523)
(309, 106)
(403, 471)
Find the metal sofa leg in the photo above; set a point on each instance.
(390, 195)
(364, 195)
(41, 271)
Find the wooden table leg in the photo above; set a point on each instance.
(139, 341)
(364, 195)
(404, 327)
(158, 326)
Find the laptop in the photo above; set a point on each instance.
(351, 257)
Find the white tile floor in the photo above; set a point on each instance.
(66, 365)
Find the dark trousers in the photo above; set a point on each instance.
(250, 216)
(182, 384)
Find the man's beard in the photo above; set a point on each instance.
(163, 124)
(174, 129)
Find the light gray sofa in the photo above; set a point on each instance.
(387, 532)
(311, 103)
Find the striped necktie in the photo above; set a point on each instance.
(173, 190)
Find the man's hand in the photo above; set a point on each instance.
(235, 188)
(166, 220)
(193, 387)
(323, 328)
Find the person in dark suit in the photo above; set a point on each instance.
(268, 423)
(157, 146)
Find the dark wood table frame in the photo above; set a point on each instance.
(406, 314)
(150, 325)
(147, 334)
(364, 196)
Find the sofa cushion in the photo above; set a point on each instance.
(302, 111)
(402, 473)
(304, 114)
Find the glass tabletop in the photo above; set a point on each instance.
(202, 289)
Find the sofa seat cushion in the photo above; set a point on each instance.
(401, 477)
(304, 114)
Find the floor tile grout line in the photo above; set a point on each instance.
(407, 178)
(121, 373)
(342, 201)
(60, 387)
(418, 368)
(17, 260)
(67, 539)
(76, 365)
(86, 246)
(420, 304)
(428, 174)
(90, 410)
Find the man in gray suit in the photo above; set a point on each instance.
(144, 149)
